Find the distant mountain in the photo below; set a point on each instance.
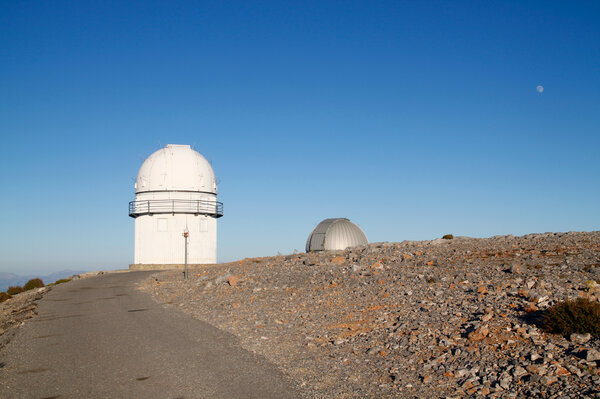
(8, 279)
(6, 276)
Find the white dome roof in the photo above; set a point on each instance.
(176, 168)
(335, 234)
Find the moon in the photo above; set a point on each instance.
(540, 89)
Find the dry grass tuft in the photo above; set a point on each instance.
(14, 290)
(578, 316)
(33, 283)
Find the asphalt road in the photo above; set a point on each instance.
(100, 337)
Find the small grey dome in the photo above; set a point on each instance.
(335, 234)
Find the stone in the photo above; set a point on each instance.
(580, 339)
(515, 269)
(505, 382)
(536, 369)
(575, 370)
(374, 350)
(591, 355)
(530, 307)
(518, 372)
(479, 334)
(461, 373)
(233, 280)
(548, 379)
(561, 371)
(487, 317)
(338, 260)
(223, 278)
(467, 384)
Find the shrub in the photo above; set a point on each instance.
(62, 280)
(33, 283)
(4, 296)
(578, 316)
(448, 237)
(14, 290)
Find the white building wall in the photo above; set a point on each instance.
(159, 239)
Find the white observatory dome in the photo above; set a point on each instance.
(175, 210)
(176, 168)
(335, 234)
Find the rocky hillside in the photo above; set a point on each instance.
(17, 310)
(442, 318)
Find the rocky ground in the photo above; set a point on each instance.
(441, 318)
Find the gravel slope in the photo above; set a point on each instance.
(15, 311)
(441, 318)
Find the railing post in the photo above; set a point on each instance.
(148, 206)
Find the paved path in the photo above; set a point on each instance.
(102, 338)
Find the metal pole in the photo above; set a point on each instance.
(185, 273)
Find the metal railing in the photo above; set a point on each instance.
(197, 207)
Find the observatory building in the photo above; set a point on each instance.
(175, 192)
(335, 234)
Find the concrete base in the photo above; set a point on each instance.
(142, 266)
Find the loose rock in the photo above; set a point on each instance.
(401, 320)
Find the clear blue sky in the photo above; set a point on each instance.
(413, 119)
